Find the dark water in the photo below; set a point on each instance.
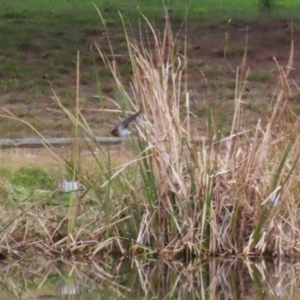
(143, 279)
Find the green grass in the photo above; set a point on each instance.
(259, 76)
(33, 179)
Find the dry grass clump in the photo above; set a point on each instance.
(227, 195)
(232, 195)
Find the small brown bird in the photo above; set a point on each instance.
(121, 129)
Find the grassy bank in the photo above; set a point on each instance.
(177, 194)
(40, 43)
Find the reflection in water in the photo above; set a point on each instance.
(142, 279)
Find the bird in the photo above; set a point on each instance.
(121, 129)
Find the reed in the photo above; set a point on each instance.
(178, 195)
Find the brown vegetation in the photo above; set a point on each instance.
(232, 194)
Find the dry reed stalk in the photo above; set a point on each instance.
(210, 199)
(232, 195)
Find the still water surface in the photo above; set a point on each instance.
(143, 279)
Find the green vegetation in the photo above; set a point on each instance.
(259, 75)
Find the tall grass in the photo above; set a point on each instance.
(227, 195)
(218, 198)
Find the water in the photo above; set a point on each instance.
(222, 279)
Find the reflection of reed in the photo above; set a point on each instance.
(214, 279)
(219, 279)
(230, 279)
(145, 279)
(279, 279)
